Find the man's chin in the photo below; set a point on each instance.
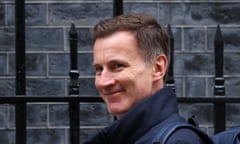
(116, 112)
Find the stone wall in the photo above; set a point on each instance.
(47, 60)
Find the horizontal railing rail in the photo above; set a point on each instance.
(14, 100)
(219, 103)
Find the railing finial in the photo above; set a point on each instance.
(170, 77)
(219, 88)
(74, 74)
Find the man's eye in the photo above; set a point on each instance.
(118, 65)
(98, 69)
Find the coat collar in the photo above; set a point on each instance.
(141, 118)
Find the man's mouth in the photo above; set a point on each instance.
(111, 93)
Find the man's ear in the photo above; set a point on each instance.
(160, 65)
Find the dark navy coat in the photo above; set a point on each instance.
(141, 123)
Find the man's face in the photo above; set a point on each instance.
(122, 77)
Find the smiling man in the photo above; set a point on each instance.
(131, 56)
(122, 77)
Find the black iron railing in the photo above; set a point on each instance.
(219, 88)
(23, 99)
(20, 107)
(20, 101)
(74, 87)
(74, 109)
(170, 78)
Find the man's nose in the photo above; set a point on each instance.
(105, 79)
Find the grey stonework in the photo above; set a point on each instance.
(193, 25)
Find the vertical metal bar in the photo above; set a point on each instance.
(220, 116)
(74, 110)
(170, 76)
(20, 46)
(73, 46)
(74, 73)
(20, 108)
(219, 89)
(74, 122)
(20, 120)
(117, 7)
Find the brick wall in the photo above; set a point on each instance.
(47, 59)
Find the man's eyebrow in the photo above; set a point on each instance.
(95, 64)
(110, 62)
(116, 60)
